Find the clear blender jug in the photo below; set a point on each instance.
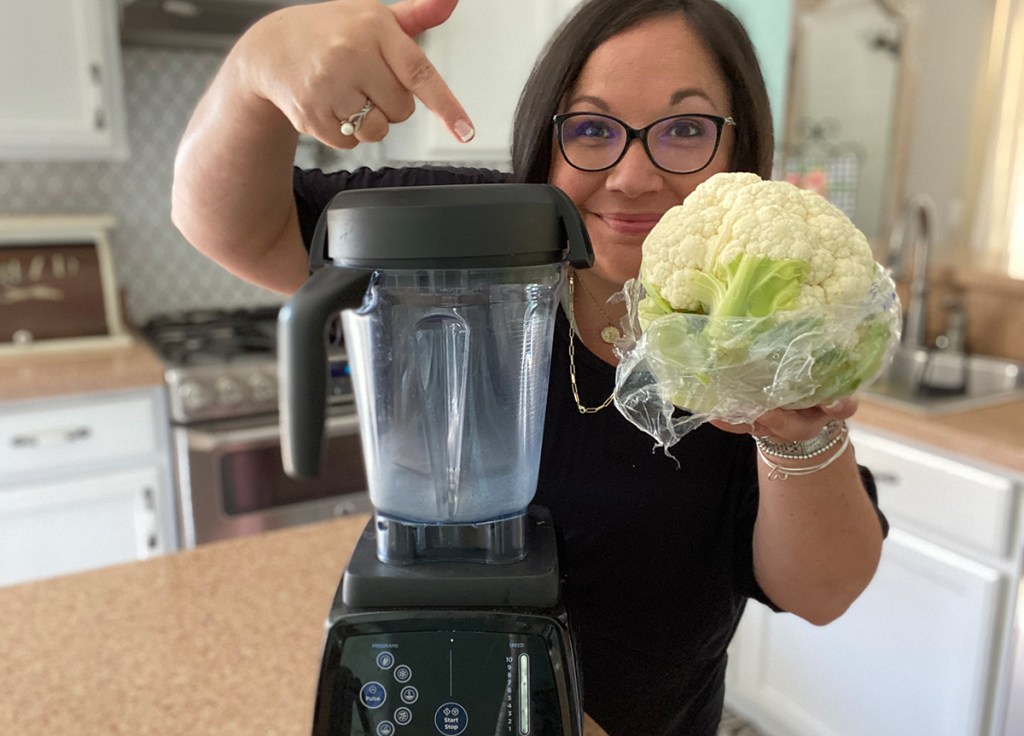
(449, 297)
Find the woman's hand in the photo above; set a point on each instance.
(304, 69)
(788, 425)
(318, 64)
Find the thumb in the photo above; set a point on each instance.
(416, 16)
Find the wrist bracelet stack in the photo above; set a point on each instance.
(835, 434)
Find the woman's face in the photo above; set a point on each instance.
(655, 69)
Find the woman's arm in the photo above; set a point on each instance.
(303, 69)
(817, 537)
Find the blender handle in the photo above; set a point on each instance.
(302, 361)
(580, 253)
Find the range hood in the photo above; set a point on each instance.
(209, 24)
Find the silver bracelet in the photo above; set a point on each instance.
(830, 436)
(781, 472)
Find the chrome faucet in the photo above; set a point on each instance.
(915, 228)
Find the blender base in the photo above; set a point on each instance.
(451, 647)
(533, 581)
(496, 542)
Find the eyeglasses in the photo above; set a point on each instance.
(678, 144)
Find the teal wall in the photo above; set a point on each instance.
(768, 23)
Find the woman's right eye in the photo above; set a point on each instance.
(591, 129)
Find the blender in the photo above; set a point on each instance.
(450, 616)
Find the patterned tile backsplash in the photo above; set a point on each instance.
(157, 268)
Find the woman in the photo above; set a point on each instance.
(661, 553)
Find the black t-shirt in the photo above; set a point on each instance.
(659, 548)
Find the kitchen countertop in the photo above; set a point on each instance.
(223, 639)
(53, 373)
(993, 434)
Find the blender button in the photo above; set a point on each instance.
(451, 718)
(373, 695)
(403, 716)
(403, 673)
(385, 728)
(385, 660)
(409, 695)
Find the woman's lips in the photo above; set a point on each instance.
(629, 223)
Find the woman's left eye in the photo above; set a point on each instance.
(684, 129)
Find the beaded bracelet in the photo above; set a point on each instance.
(830, 436)
(780, 472)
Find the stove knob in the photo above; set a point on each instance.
(262, 387)
(194, 396)
(229, 391)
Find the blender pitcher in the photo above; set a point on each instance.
(448, 296)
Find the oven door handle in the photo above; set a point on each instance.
(338, 425)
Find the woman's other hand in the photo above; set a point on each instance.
(789, 425)
(318, 64)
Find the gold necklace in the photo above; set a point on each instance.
(572, 358)
(610, 334)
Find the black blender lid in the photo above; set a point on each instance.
(454, 226)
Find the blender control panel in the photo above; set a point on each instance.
(444, 682)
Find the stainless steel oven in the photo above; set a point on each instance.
(232, 481)
(222, 386)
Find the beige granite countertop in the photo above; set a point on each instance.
(220, 640)
(52, 373)
(993, 434)
(224, 639)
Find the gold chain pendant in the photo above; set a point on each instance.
(572, 355)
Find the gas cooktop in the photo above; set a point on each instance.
(213, 336)
(222, 363)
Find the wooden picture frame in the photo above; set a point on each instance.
(58, 288)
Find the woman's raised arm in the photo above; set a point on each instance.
(304, 69)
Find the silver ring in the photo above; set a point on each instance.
(350, 126)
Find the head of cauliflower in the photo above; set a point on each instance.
(738, 214)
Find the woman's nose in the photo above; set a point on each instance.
(635, 174)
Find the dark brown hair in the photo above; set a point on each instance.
(559, 67)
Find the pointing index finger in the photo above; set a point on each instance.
(414, 70)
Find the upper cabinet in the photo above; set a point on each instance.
(485, 52)
(61, 84)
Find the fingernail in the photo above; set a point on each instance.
(834, 404)
(464, 131)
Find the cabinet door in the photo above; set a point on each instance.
(61, 527)
(912, 656)
(485, 52)
(60, 80)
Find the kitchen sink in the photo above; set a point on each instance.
(938, 381)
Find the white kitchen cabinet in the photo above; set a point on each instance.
(485, 51)
(91, 521)
(61, 82)
(925, 647)
(84, 482)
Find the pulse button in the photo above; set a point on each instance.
(373, 695)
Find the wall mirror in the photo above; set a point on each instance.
(846, 122)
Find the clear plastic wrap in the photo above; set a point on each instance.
(685, 369)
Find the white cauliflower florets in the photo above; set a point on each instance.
(739, 213)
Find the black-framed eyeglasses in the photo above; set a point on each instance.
(678, 144)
